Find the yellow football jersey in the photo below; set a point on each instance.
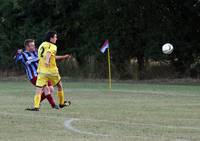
(42, 51)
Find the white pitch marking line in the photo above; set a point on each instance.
(143, 124)
(131, 91)
(68, 125)
(108, 121)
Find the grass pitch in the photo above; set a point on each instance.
(128, 112)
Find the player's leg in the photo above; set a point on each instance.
(61, 97)
(60, 93)
(48, 90)
(33, 81)
(40, 84)
(46, 95)
(43, 96)
(37, 98)
(56, 80)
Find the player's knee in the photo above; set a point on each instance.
(46, 90)
(38, 91)
(59, 85)
(51, 89)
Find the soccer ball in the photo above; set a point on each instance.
(167, 48)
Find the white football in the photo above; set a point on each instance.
(167, 48)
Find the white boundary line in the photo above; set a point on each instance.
(142, 124)
(68, 125)
(131, 91)
(33, 114)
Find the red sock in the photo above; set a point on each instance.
(51, 100)
(43, 96)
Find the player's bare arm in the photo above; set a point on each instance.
(48, 55)
(62, 57)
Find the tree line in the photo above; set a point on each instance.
(136, 31)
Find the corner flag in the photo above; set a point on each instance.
(103, 49)
(105, 46)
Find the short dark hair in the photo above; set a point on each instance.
(27, 41)
(49, 34)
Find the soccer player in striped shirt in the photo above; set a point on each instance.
(29, 59)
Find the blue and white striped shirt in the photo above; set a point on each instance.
(30, 63)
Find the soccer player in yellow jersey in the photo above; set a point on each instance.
(48, 71)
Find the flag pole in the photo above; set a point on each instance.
(109, 69)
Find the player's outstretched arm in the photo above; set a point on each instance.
(66, 56)
(17, 56)
(19, 51)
